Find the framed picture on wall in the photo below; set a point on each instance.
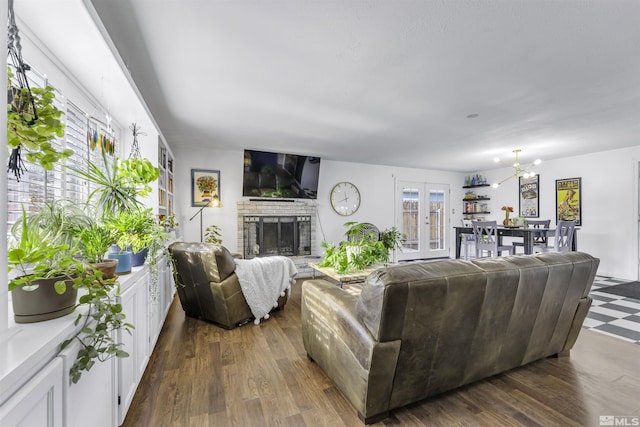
(530, 197)
(205, 186)
(569, 200)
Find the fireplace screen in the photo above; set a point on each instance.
(277, 235)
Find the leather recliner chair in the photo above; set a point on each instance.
(207, 285)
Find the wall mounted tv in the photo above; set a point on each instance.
(280, 175)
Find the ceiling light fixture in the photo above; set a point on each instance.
(524, 172)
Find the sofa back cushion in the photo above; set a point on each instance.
(459, 321)
(203, 261)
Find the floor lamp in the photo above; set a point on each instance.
(214, 203)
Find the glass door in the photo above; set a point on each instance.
(421, 212)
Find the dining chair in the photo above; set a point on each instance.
(538, 238)
(562, 240)
(467, 239)
(486, 235)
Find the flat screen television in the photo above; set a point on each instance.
(280, 175)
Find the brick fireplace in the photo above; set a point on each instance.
(276, 227)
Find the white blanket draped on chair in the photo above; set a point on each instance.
(263, 281)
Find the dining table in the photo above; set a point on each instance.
(528, 236)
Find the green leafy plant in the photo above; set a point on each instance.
(140, 172)
(212, 234)
(35, 255)
(138, 229)
(96, 241)
(335, 257)
(168, 222)
(360, 250)
(100, 322)
(116, 191)
(391, 238)
(62, 219)
(33, 121)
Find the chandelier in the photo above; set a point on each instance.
(525, 172)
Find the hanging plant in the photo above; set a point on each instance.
(31, 131)
(33, 121)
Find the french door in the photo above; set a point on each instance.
(422, 218)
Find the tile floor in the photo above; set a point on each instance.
(613, 314)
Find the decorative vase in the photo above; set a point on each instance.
(506, 221)
(107, 267)
(138, 258)
(41, 302)
(124, 261)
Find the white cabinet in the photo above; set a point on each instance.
(159, 308)
(135, 304)
(35, 387)
(93, 401)
(38, 402)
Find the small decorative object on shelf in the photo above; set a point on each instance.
(475, 181)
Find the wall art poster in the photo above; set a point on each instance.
(569, 200)
(205, 185)
(530, 197)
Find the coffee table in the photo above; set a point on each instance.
(350, 278)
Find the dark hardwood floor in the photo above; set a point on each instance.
(203, 375)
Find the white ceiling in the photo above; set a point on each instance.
(387, 81)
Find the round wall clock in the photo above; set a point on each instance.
(345, 198)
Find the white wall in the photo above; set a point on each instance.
(377, 191)
(609, 227)
(230, 165)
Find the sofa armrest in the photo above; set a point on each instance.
(334, 337)
(576, 326)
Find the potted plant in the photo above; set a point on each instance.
(391, 238)
(42, 270)
(95, 242)
(362, 248)
(121, 249)
(212, 235)
(61, 218)
(119, 186)
(168, 222)
(139, 171)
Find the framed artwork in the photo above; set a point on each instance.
(569, 200)
(205, 185)
(530, 197)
